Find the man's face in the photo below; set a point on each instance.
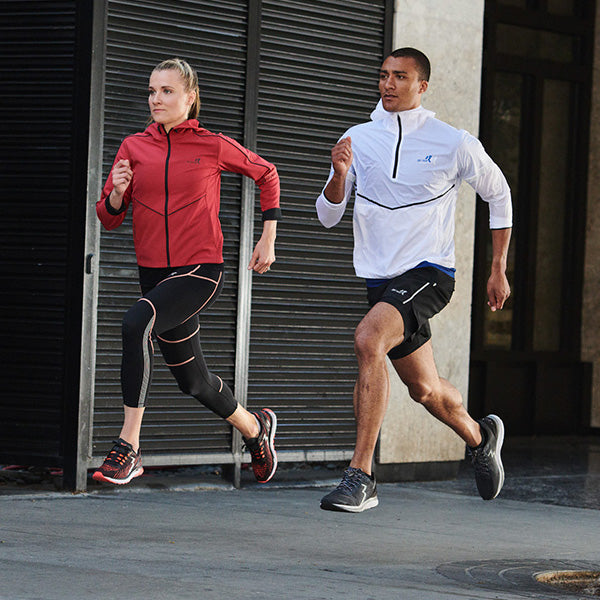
(400, 85)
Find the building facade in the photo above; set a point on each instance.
(286, 78)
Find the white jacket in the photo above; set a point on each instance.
(406, 171)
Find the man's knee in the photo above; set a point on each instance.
(421, 392)
(367, 344)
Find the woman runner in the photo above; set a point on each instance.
(170, 175)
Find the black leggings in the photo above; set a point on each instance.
(169, 307)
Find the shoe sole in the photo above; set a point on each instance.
(497, 448)
(98, 476)
(273, 417)
(370, 503)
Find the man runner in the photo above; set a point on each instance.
(406, 167)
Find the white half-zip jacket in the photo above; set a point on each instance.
(406, 171)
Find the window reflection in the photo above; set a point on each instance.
(505, 150)
(556, 113)
(534, 43)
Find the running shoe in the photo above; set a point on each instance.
(489, 472)
(121, 465)
(356, 492)
(262, 447)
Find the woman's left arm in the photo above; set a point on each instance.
(234, 157)
(264, 252)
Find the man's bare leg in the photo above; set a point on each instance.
(381, 329)
(443, 401)
(437, 395)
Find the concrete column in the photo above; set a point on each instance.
(450, 33)
(590, 318)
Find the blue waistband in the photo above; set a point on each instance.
(371, 283)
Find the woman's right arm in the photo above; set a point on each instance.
(116, 194)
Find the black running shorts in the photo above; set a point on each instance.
(418, 294)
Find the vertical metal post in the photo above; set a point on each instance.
(91, 248)
(242, 347)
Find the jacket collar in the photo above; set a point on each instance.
(155, 129)
(410, 119)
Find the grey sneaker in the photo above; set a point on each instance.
(489, 472)
(356, 492)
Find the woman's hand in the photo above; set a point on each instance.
(121, 178)
(264, 252)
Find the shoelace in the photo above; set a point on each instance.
(478, 459)
(350, 481)
(257, 450)
(118, 455)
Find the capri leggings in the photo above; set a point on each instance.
(172, 299)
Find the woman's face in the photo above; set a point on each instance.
(168, 101)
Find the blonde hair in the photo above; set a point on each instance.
(190, 80)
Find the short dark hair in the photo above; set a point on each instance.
(423, 64)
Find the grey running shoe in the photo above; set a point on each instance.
(489, 472)
(356, 492)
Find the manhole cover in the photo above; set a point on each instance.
(579, 582)
(522, 577)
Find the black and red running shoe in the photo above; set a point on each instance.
(121, 465)
(262, 448)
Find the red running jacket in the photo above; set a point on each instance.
(175, 192)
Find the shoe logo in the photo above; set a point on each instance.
(427, 159)
(401, 292)
(364, 491)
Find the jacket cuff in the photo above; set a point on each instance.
(110, 210)
(272, 214)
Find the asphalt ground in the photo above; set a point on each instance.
(198, 537)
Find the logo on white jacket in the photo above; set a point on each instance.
(426, 159)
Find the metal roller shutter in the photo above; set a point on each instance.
(318, 69)
(38, 53)
(211, 35)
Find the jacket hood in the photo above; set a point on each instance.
(411, 119)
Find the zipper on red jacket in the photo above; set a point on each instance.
(167, 198)
(396, 159)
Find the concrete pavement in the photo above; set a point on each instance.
(273, 541)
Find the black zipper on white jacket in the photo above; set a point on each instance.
(397, 157)
(167, 198)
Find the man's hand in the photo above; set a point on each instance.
(498, 290)
(341, 160)
(341, 157)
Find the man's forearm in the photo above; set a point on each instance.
(500, 244)
(335, 190)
